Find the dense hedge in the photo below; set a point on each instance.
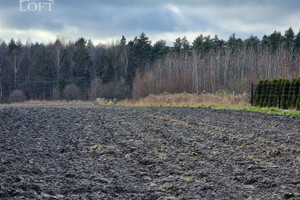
(281, 93)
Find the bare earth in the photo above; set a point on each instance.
(85, 151)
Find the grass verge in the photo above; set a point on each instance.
(214, 101)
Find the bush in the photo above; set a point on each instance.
(277, 93)
(263, 93)
(284, 94)
(71, 92)
(292, 90)
(298, 100)
(295, 93)
(17, 96)
(298, 96)
(267, 94)
(272, 93)
(257, 93)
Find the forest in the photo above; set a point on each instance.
(79, 69)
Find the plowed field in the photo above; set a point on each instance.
(85, 151)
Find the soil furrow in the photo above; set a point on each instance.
(85, 151)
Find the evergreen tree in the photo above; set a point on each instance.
(185, 44)
(267, 94)
(217, 43)
(289, 38)
(106, 66)
(297, 41)
(207, 44)
(292, 94)
(122, 45)
(295, 92)
(142, 51)
(234, 42)
(252, 42)
(263, 94)
(258, 93)
(272, 93)
(198, 43)
(284, 94)
(11, 46)
(123, 41)
(177, 45)
(278, 91)
(82, 64)
(298, 96)
(265, 41)
(274, 40)
(159, 50)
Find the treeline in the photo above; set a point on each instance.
(211, 65)
(137, 68)
(281, 93)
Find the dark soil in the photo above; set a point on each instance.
(83, 151)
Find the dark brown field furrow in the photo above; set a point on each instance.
(83, 151)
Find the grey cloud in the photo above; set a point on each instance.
(112, 18)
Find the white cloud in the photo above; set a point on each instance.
(173, 9)
(37, 35)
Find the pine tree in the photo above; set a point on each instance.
(159, 50)
(274, 40)
(198, 43)
(177, 45)
(297, 41)
(207, 43)
(106, 70)
(252, 42)
(142, 51)
(82, 64)
(185, 44)
(265, 41)
(289, 38)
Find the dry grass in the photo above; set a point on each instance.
(185, 99)
(50, 102)
(106, 102)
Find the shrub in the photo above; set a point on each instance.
(277, 93)
(17, 96)
(71, 92)
(284, 94)
(298, 99)
(293, 94)
(267, 94)
(263, 94)
(298, 96)
(272, 93)
(257, 93)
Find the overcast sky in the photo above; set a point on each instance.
(107, 20)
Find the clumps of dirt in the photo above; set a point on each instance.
(85, 151)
